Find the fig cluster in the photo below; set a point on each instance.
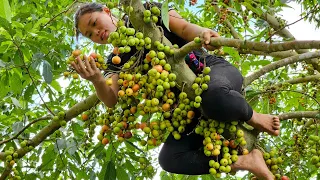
(223, 151)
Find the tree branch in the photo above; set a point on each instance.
(280, 54)
(74, 111)
(34, 121)
(265, 47)
(278, 64)
(299, 80)
(184, 50)
(283, 32)
(299, 114)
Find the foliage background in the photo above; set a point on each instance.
(37, 37)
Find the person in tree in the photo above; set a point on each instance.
(222, 101)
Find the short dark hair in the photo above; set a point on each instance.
(83, 9)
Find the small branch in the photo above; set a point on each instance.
(34, 121)
(184, 50)
(58, 15)
(299, 80)
(22, 58)
(270, 67)
(299, 114)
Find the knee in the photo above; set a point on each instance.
(215, 91)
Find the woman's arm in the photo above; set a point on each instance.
(107, 94)
(189, 31)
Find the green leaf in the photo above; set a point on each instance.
(16, 102)
(5, 10)
(36, 60)
(122, 174)
(17, 127)
(48, 158)
(56, 85)
(71, 146)
(47, 72)
(96, 150)
(28, 92)
(4, 89)
(110, 173)
(7, 26)
(164, 176)
(165, 14)
(207, 177)
(109, 152)
(77, 130)
(2, 64)
(255, 10)
(130, 167)
(15, 83)
(61, 162)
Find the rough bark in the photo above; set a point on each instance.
(265, 47)
(270, 67)
(300, 114)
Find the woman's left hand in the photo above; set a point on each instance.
(206, 35)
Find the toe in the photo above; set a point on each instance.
(276, 123)
(276, 132)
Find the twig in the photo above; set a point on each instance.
(22, 58)
(58, 15)
(287, 25)
(28, 125)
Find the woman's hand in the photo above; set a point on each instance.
(206, 35)
(88, 70)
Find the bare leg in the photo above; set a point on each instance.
(254, 163)
(265, 123)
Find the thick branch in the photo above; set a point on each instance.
(149, 29)
(55, 125)
(278, 64)
(265, 47)
(274, 23)
(281, 54)
(299, 80)
(299, 114)
(34, 121)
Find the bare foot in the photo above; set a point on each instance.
(265, 123)
(254, 163)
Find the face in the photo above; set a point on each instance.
(97, 25)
